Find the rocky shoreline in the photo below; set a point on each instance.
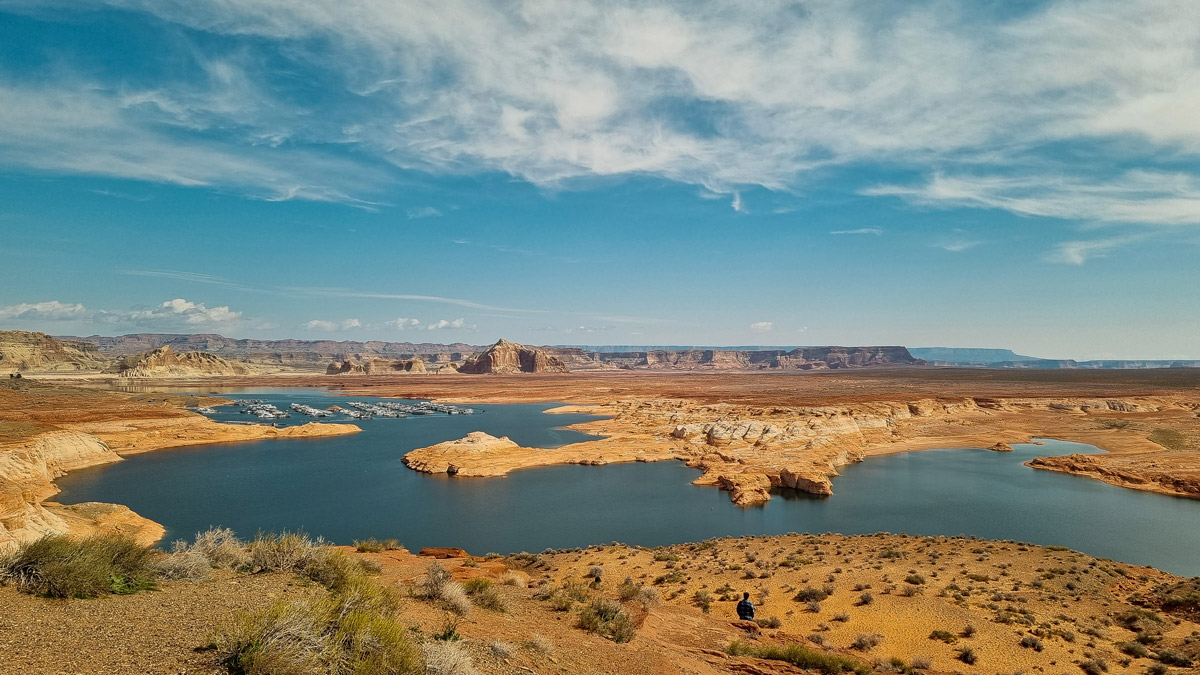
(108, 430)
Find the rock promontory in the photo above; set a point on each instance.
(509, 357)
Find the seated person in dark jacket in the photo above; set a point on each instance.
(745, 608)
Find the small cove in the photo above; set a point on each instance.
(355, 486)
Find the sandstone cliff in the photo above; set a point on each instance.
(164, 362)
(29, 352)
(510, 357)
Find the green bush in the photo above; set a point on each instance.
(800, 656)
(59, 566)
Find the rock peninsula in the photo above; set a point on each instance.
(749, 450)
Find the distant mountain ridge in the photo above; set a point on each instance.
(1006, 358)
(135, 343)
(968, 355)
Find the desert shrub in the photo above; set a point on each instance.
(809, 594)
(540, 644)
(596, 573)
(703, 600)
(607, 618)
(501, 649)
(1157, 669)
(221, 547)
(284, 552)
(437, 586)
(560, 602)
(944, 636)
(813, 606)
(351, 631)
(841, 617)
(576, 591)
(922, 663)
(1094, 666)
(330, 567)
(769, 622)
(58, 566)
(1031, 642)
(511, 578)
(866, 598)
(866, 642)
(448, 658)
(1137, 651)
(485, 594)
(373, 545)
(1173, 658)
(1139, 620)
(647, 596)
(968, 631)
(967, 655)
(914, 579)
(183, 565)
(800, 656)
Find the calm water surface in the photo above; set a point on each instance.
(355, 486)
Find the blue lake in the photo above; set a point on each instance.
(352, 487)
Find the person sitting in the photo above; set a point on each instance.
(745, 608)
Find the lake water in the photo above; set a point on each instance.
(352, 487)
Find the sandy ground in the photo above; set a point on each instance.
(1005, 590)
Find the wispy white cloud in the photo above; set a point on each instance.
(714, 94)
(737, 203)
(762, 327)
(83, 127)
(419, 212)
(321, 325)
(957, 245)
(51, 310)
(1135, 197)
(1079, 252)
(877, 231)
(331, 326)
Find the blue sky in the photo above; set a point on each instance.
(1009, 174)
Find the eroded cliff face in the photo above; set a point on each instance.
(164, 362)
(748, 451)
(27, 472)
(30, 352)
(510, 357)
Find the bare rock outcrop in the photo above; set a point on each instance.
(29, 352)
(164, 362)
(510, 357)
